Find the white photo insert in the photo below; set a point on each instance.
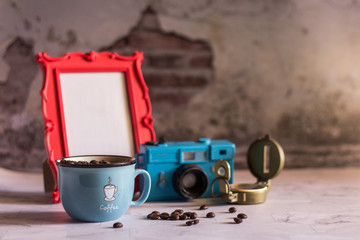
(96, 114)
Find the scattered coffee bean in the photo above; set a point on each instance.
(164, 216)
(210, 215)
(179, 211)
(184, 217)
(232, 209)
(203, 207)
(156, 212)
(153, 216)
(94, 162)
(175, 213)
(242, 215)
(179, 214)
(187, 214)
(174, 217)
(238, 220)
(117, 225)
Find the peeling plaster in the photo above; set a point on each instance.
(4, 71)
(288, 68)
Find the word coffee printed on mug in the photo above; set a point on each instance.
(109, 208)
(109, 191)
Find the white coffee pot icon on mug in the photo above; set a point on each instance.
(110, 191)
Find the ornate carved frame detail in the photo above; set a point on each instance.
(104, 62)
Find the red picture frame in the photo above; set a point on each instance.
(55, 125)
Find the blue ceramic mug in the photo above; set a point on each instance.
(99, 192)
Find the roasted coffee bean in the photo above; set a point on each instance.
(94, 162)
(175, 213)
(156, 212)
(82, 163)
(232, 209)
(193, 215)
(242, 215)
(203, 207)
(153, 216)
(187, 213)
(149, 216)
(104, 162)
(238, 220)
(210, 215)
(164, 216)
(184, 217)
(179, 211)
(174, 217)
(189, 223)
(196, 221)
(118, 225)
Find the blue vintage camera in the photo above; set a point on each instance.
(183, 170)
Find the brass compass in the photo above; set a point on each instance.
(265, 159)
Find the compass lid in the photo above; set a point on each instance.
(265, 158)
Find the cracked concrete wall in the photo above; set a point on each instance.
(283, 67)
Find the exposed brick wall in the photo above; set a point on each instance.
(175, 68)
(277, 66)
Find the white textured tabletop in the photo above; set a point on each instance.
(303, 204)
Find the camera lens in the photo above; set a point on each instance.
(190, 181)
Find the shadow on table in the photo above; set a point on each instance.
(24, 197)
(34, 218)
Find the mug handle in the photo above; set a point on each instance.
(146, 189)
